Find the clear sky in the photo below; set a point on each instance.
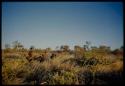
(51, 24)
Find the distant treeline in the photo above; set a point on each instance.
(17, 46)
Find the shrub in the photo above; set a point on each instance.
(65, 69)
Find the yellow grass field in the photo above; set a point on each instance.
(64, 69)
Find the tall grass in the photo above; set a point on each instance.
(65, 69)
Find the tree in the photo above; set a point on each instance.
(7, 46)
(79, 51)
(87, 45)
(104, 49)
(61, 48)
(17, 45)
(117, 52)
(32, 47)
(121, 48)
(64, 48)
(93, 47)
(20, 46)
(57, 47)
(48, 49)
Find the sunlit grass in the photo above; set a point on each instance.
(63, 69)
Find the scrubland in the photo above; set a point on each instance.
(94, 68)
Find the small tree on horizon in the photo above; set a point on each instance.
(7, 46)
(64, 48)
(17, 45)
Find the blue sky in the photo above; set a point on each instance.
(51, 24)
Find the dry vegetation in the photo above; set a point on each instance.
(79, 68)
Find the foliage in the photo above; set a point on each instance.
(79, 68)
(78, 51)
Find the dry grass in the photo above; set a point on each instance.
(64, 69)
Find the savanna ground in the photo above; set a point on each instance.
(94, 68)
